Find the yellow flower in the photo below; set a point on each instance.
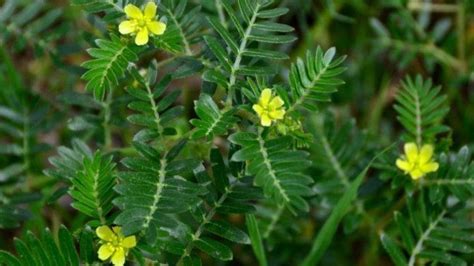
(417, 162)
(269, 108)
(141, 24)
(114, 244)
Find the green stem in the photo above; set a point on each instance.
(427, 48)
(426, 6)
(199, 230)
(461, 26)
(273, 221)
(419, 245)
(106, 123)
(187, 46)
(238, 58)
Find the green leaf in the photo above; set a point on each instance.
(227, 231)
(112, 10)
(314, 79)
(237, 59)
(421, 109)
(272, 13)
(280, 39)
(256, 239)
(156, 109)
(219, 52)
(224, 34)
(214, 248)
(428, 235)
(212, 122)
(92, 190)
(8, 259)
(326, 234)
(149, 189)
(108, 65)
(181, 28)
(43, 251)
(215, 77)
(268, 54)
(86, 247)
(277, 168)
(395, 253)
(273, 27)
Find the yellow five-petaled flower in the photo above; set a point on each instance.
(114, 244)
(141, 24)
(269, 108)
(417, 162)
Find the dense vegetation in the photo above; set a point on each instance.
(236, 132)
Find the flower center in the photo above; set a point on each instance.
(116, 242)
(141, 22)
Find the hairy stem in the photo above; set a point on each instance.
(238, 58)
(419, 245)
(106, 124)
(199, 230)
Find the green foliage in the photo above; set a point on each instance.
(455, 177)
(30, 24)
(154, 115)
(228, 194)
(324, 238)
(162, 139)
(112, 9)
(183, 28)
(23, 117)
(251, 24)
(44, 250)
(429, 233)
(408, 35)
(420, 110)
(314, 79)
(149, 189)
(92, 187)
(256, 239)
(278, 169)
(69, 162)
(212, 122)
(339, 151)
(111, 59)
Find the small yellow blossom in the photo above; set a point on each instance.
(417, 162)
(114, 244)
(269, 108)
(141, 24)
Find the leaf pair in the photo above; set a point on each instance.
(278, 169)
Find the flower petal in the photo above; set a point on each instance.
(276, 103)
(265, 97)
(277, 114)
(127, 27)
(105, 251)
(416, 174)
(429, 167)
(118, 259)
(118, 231)
(258, 109)
(411, 151)
(142, 37)
(129, 242)
(265, 120)
(104, 233)
(426, 153)
(133, 11)
(403, 165)
(150, 10)
(156, 27)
